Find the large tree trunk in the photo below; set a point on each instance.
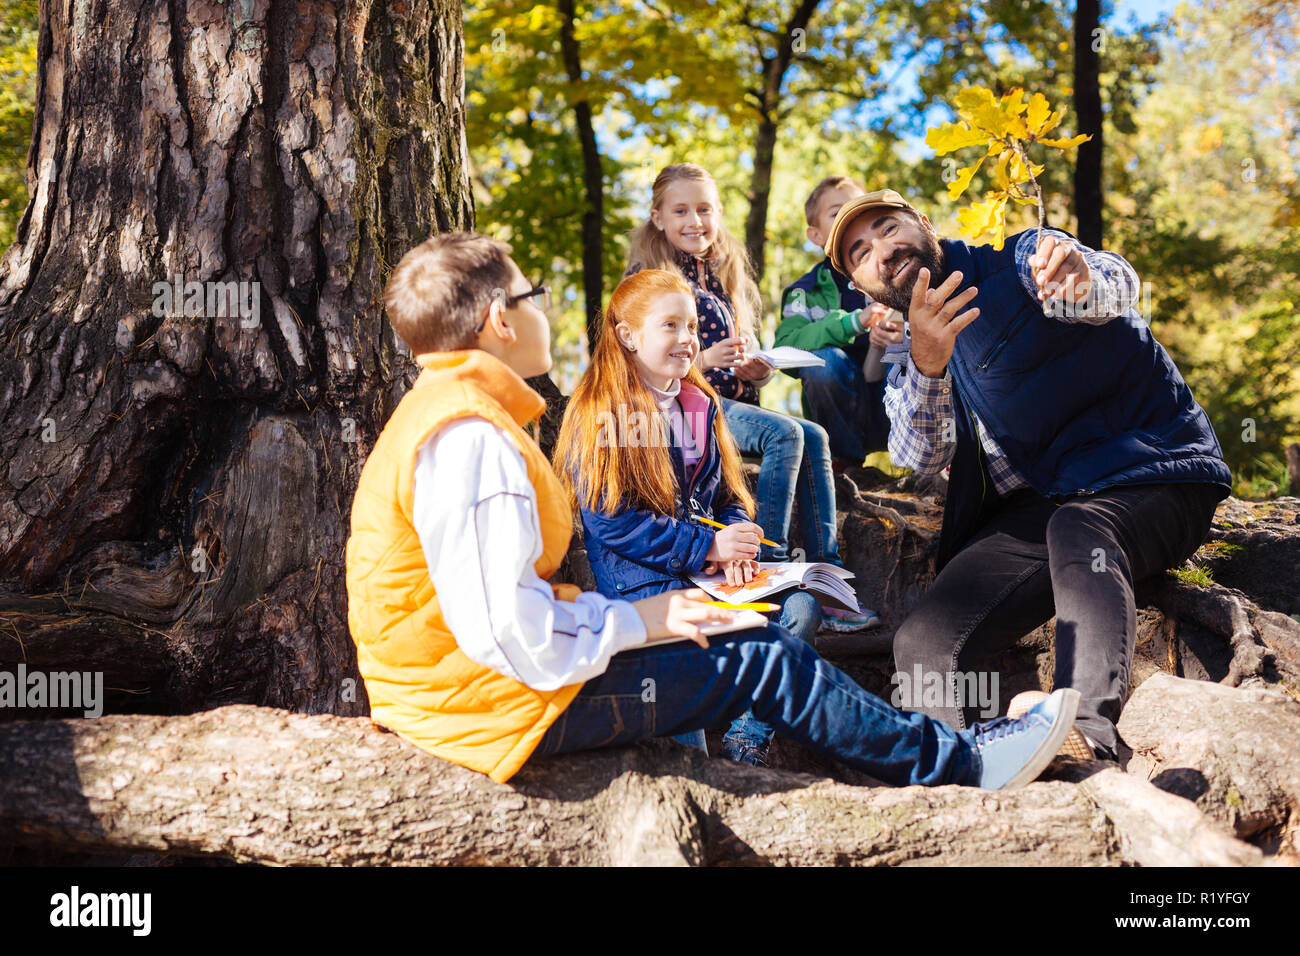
(1087, 104)
(174, 507)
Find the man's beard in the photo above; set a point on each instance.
(900, 296)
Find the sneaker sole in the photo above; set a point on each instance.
(829, 624)
(1046, 751)
(1076, 745)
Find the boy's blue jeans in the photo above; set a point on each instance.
(671, 689)
(796, 461)
(851, 409)
(801, 616)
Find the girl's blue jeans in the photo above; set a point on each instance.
(796, 464)
(672, 689)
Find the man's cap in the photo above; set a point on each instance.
(852, 210)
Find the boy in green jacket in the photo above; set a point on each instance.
(823, 313)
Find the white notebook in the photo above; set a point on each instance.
(787, 356)
(743, 621)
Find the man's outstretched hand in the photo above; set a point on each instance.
(1060, 271)
(935, 321)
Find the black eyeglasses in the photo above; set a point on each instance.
(509, 302)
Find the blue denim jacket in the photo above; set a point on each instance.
(636, 553)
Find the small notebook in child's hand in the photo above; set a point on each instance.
(826, 582)
(740, 621)
(787, 356)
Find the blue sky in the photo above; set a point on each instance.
(1145, 10)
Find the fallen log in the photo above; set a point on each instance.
(257, 784)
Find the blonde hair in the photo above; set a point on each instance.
(827, 184)
(608, 475)
(649, 248)
(437, 294)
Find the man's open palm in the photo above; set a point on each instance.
(936, 320)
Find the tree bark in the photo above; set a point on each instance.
(1087, 104)
(593, 219)
(177, 485)
(256, 784)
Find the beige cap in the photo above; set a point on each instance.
(854, 208)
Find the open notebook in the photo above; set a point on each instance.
(787, 356)
(827, 583)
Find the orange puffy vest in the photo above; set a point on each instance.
(420, 683)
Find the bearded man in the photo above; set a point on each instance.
(1080, 462)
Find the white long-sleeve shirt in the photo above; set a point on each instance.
(475, 512)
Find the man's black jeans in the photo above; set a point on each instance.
(1076, 557)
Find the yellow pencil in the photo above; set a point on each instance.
(761, 606)
(719, 524)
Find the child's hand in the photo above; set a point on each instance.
(752, 369)
(737, 573)
(740, 573)
(725, 354)
(737, 542)
(888, 331)
(679, 614)
(875, 312)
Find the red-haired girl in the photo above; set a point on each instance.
(645, 451)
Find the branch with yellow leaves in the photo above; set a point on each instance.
(1004, 127)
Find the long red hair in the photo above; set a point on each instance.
(612, 474)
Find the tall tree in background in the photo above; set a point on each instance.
(1088, 44)
(593, 216)
(776, 50)
(177, 483)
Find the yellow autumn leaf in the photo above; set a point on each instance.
(964, 176)
(1023, 194)
(1012, 106)
(1013, 102)
(1040, 119)
(1066, 143)
(979, 109)
(985, 219)
(972, 98)
(951, 137)
(1000, 170)
(1017, 171)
